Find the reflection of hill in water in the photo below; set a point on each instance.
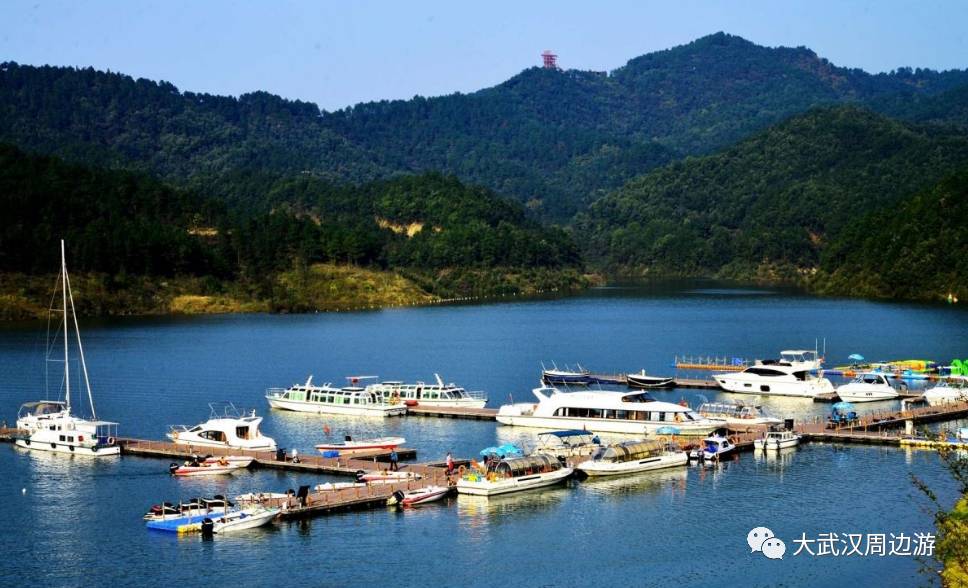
(673, 480)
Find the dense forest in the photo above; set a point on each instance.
(778, 201)
(718, 157)
(556, 140)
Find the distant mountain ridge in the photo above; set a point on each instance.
(557, 140)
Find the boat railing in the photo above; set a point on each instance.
(276, 392)
(476, 394)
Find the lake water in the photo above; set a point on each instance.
(78, 522)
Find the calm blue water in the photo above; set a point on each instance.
(79, 522)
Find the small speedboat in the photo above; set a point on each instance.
(209, 466)
(868, 387)
(239, 520)
(641, 380)
(350, 445)
(713, 448)
(385, 476)
(226, 427)
(776, 440)
(947, 392)
(419, 496)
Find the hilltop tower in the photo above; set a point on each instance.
(550, 59)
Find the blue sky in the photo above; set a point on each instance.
(340, 53)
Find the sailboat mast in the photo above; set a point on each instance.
(67, 364)
(80, 346)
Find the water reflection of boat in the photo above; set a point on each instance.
(469, 505)
(675, 478)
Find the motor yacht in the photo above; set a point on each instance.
(225, 427)
(631, 457)
(776, 440)
(634, 413)
(49, 425)
(325, 399)
(869, 387)
(713, 448)
(947, 392)
(774, 379)
(514, 474)
(436, 394)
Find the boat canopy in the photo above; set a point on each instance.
(523, 466)
(570, 437)
(632, 450)
(42, 407)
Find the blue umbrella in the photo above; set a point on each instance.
(855, 357)
(489, 451)
(844, 406)
(667, 430)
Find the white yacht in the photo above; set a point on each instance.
(514, 474)
(947, 392)
(325, 399)
(801, 359)
(868, 387)
(775, 379)
(436, 394)
(635, 413)
(225, 427)
(49, 425)
(632, 457)
(776, 440)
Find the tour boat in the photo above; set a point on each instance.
(946, 392)
(225, 427)
(736, 413)
(210, 466)
(419, 496)
(437, 394)
(631, 457)
(775, 379)
(325, 399)
(49, 425)
(569, 443)
(713, 447)
(239, 520)
(514, 474)
(633, 413)
(574, 377)
(869, 387)
(641, 380)
(777, 440)
(350, 445)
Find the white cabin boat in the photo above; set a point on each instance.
(225, 427)
(736, 413)
(631, 457)
(775, 379)
(633, 413)
(776, 440)
(713, 448)
(514, 474)
(947, 392)
(869, 387)
(572, 443)
(418, 496)
(325, 399)
(437, 394)
(50, 425)
(240, 520)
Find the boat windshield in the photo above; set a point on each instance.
(638, 397)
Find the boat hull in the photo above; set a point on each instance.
(210, 470)
(350, 410)
(606, 425)
(383, 443)
(600, 468)
(244, 520)
(101, 451)
(774, 444)
(484, 487)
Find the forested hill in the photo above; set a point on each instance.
(556, 140)
(777, 201)
(432, 228)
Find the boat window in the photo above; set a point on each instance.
(195, 429)
(561, 411)
(662, 416)
(763, 372)
(802, 376)
(594, 413)
(242, 432)
(622, 414)
(62, 438)
(213, 435)
(638, 397)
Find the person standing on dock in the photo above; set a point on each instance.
(450, 464)
(393, 459)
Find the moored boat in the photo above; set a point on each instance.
(947, 392)
(418, 496)
(736, 413)
(240, 520)
(226, 427)
(361, 444)
(565, 377)
(325, 399)
(641, 380)
(869, 387)
(632, 413)
(713, 448)
(514, 475)
(50, 425)
(386, 476)
(436, 394)
(776, 440)
(631, 457)
(775, 379)
(210, 466)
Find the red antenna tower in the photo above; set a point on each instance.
(550, 59)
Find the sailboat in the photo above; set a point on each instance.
(48, 425)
